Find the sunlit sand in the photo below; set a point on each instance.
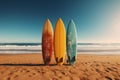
(87, 67)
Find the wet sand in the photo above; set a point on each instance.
(87, 67)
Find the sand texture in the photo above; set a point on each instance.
(87, 67)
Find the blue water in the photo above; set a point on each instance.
(82, 48)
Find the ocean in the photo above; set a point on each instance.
(82, 48)
(19, 48)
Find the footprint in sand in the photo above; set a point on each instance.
(94, 61)
(15, 76)
(85, 62)
(73, 71)
(97, 70)
(116, 79)
(26, 70)
(34, 73)
(39, 71)
(118, 64)
(11, 73)
(1, 72)
(84, 78)
(92, 69)
(107, 70)
(6, 78)
(97, 65)
(30, 75)
(55, 79)
(114, 68)
(64, 73)
(108, 62)
(108, 78)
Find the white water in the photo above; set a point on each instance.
(101, 49)
(13, 49)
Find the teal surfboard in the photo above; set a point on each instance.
(71, 42)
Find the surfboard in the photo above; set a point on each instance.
(71, 40)
(60, 42)
(47, 42)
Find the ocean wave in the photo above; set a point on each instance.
(81, 48)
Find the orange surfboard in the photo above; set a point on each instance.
(47, 42)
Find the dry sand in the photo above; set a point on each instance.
(87, 67)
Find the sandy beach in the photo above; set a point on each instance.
(87, 67)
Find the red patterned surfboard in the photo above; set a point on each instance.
(47, 42)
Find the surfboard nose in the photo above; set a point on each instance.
(71, 21)
(47, 20)
(60, 20)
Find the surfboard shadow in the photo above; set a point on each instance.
(27, 65)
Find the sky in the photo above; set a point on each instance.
(23, 20)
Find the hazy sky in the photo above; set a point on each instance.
(96, 20)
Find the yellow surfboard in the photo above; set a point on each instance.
(60, 42)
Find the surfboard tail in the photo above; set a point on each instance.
(71, 60)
